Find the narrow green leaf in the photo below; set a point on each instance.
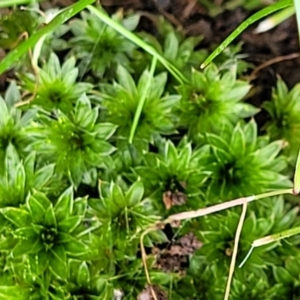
(135, 39)
(50, 220)
(297, 175)
(42, 176)
(7, 3)
(257, 16)
(83, 277)
(126, 81)
(58, 262)
(64, 206)
(69, 224)
(13, 56)
(135, 194)
(38, 203)
(75, 247)
(105, 130)
(142, 99)
(19, 217)
(27, 246)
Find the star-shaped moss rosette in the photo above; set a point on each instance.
(212, 100)
(250, 287)
(56, 86)
(124, 213)
(76, 143)
(120, 101)
(287, 277)
(20, 177)
(84, 282)
(47, 233)
(14, 24)
(13, 124)
(171, 43)
(175, 175)
(98, 46)
(284, 110)
(244, 164)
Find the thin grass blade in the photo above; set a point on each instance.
(297, 176)
(7, 3)
(257, 16)
(297, 9)
(23, 48)
(135, 39)
(142, 100)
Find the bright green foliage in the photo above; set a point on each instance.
(75, 143)
(123, 215)
(56, 85)
(243, 164)
(18, 178)
(176, 170)
(99, 47)
(62, 238)
(84, 282)
(120, 102)
(213, 100)
(13, 124)
(217, 233)
(172, 45)
(287, 277)
(257, 288)
(47, 232)
(284, 110)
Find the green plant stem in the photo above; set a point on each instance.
(135, 39)
(257, 16)
(297, 175)
(7, 3)
(61, 18)
(142, 101)
(297, 9)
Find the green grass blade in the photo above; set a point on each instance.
(7, 3)
(257, 16)
(275, 19)
(135, 39)
(297, 176)
(23, 48)
(297, 8)
(142, 101)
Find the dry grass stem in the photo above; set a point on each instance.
(235, 250)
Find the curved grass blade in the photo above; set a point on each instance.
(142, 101)
(23, 48)
(297, 9)
(7, 3)
(257, 16)
(296, 189)
(275, 19)
(135, 39)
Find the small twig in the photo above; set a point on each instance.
(272, 61)
(235, 250)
